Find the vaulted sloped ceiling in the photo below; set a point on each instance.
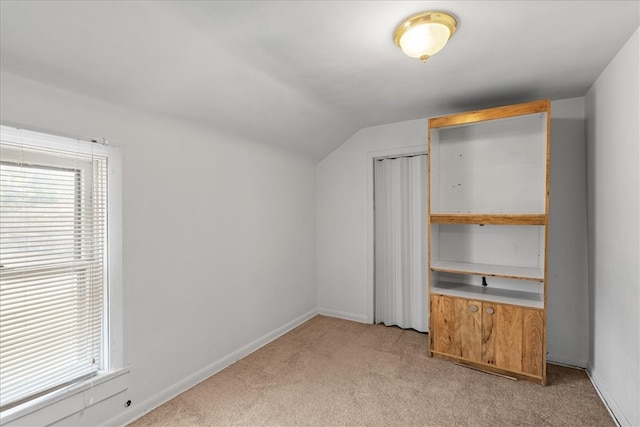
(306, 75)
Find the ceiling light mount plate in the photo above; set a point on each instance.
(425, 34)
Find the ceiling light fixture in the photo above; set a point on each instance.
(425, 34)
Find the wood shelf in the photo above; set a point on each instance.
(492, 219)
(487, 293)
(490, 270)
(542, 106)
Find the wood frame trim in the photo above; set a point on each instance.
(481, 273)
(546, 243)
(492, 219)
(490, 368)
(429, 166)
(541, 106)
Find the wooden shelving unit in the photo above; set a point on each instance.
(488, 217)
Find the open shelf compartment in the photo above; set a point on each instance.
(488, 250)
(486, 293)
(491, 270)
(495, 166)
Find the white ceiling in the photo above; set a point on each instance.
(306, 75)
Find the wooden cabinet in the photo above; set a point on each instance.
(488, 216)
(503, 336)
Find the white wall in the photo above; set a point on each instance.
(219, 241)
(342, 216)
(342, 220)
(613, 136)
(567, 302)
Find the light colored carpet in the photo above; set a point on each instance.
(333, 372)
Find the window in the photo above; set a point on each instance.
(57, 265)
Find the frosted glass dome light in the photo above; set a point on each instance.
(425, 34)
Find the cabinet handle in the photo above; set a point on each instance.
(490, 310)
(473, 308)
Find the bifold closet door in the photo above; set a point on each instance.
(400, 212)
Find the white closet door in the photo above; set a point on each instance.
(400, 212)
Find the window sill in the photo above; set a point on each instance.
(62, 403)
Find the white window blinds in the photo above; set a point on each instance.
(53, 207)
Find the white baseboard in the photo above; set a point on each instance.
(201, 375)
(605, 397)
(614, 410)
(342, 315)
(579, 364)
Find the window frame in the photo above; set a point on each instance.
(113, 377)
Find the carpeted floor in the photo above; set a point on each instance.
(333, 372)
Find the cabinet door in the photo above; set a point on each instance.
(512, 338)
(443, 334)
(502, 336)
(532, 342)
(456, 325)
(468, 314)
